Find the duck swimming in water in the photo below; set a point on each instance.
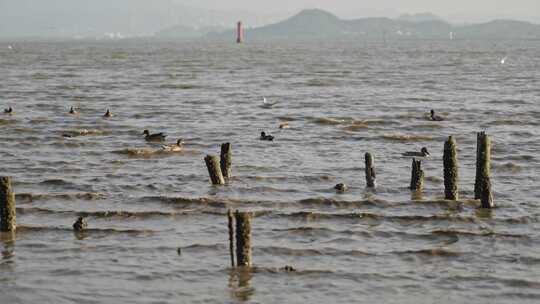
(154, 137)
(268, 137)
(284, 125)
(108, 114)
(434, 117)
(174, 147)
(72, 111)
(423, 153)
(8, 110)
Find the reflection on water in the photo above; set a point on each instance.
(240, 284)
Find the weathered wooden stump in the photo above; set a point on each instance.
(214, 169)
(7, 206)
(243, 238)
(486, 199)
(482, 185)
(417, 176)
(226, 160)
(451, 176)
(231, 235)
(371, 179)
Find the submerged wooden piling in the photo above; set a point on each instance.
(243, 238)
(417, 176)
(371, 181)
(226, 160)
(7, 206)
(482, 184)
(214, 170)
(231, 235)
(451, 176)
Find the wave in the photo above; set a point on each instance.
(84, 132)
(327, 121)
(320, 83)
(5, 122)
(406, 138)
(508, 167)
(24, 229)
(434, 252)
(179, 86)
(31, 197)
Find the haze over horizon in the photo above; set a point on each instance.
(134, 18)
(460, 11)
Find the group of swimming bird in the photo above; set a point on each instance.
(178, 146)
(156, 137)
(423, 152)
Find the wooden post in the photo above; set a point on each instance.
(231, 235)
(7, 206)
(451, 176)
(243, 238)
(417, 176)
(482, 185)
(370, 172)
(212, 163)
(487, 197)
(226, 160)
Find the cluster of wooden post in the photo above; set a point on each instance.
(220, 168)
(242, 233)
(482, 186)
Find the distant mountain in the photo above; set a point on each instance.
(319, 24)
(499, 29)
(421, 17)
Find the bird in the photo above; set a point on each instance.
(80, 225)
(108, 114)
(423, 153)
(503, 61)
(267, 104)
(268, 137)
(434, 117)
(154, 137)
(341, 187)
(174, 147)
(72, 111)
(284, 125)
(8, 110)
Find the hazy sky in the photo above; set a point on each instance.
(452, 9)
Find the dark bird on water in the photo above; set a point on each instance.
(154, 137)
(423, 153)
(72, 111)
(80, 224)
(108, 114)
(265, 136)
(434, 117)
(8, 110)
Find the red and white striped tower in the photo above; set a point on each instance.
(239, 32)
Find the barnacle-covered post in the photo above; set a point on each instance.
(214, 169)
(7, 206)
(451, 176)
